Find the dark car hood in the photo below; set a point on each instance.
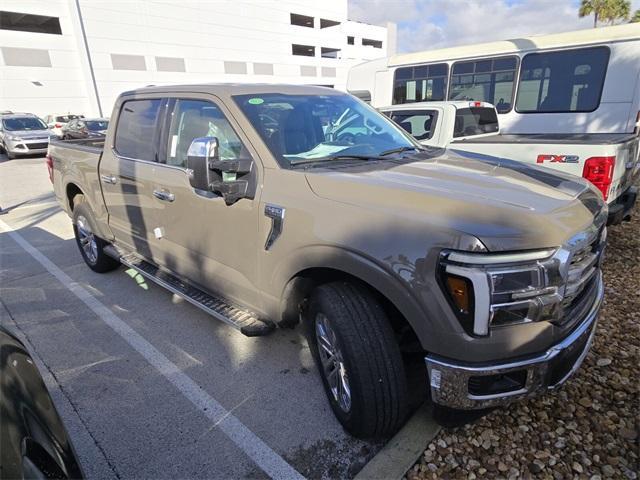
(507, 205)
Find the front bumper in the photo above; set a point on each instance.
(474, 386)
(621, 208)
(26, 147)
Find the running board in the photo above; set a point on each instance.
(246, 322)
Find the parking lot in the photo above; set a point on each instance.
(148, 385)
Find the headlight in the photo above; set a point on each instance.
(502, 289)
(13, 138)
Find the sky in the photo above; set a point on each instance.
(428, 24)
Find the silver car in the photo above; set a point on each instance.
(23, 134)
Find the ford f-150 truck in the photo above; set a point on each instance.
(610, 161)
(269, 205)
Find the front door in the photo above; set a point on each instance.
(203, 239)
(127, 171)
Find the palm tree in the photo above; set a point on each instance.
(607, 10)
(597, 7)
(617, 10)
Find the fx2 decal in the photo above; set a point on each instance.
(558, 158)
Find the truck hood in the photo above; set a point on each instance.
(507, 205)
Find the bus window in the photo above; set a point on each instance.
(566, 81)
(487, 80)
(422, 83)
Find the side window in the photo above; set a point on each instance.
(566, 81)
(487, 80)
(198, 118)
(135, 134)
(420, 123)
(422, 83)
(71, 125)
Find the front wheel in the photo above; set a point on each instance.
(358, 358)
(91, 246)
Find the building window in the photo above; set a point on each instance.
(329, 52)
(263, 68)
(568, 81)
(367, 42)
(487, 80)
(420, 83)
(301, 20)
(238, 68)
(303, 50)
(351, 41)
(328, 71)
(170, 64)
(25, 57)
(24, 22)
(128, 62)
(308, 71)
(324, 23)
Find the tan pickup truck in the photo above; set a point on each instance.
(270, 205)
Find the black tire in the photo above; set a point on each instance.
(10, 156)
(370, 356)
(83, 229)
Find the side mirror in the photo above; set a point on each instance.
(233, 179)
(201, 152)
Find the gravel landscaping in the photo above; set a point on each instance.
(587, 429)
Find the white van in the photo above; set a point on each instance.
(586, 81)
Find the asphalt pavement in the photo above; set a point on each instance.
(148, 385)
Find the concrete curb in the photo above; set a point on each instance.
(404, 449)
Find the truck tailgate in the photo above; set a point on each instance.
(568, 153)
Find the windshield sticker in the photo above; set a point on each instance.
(256, 101)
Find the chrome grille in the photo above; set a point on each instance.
(583, 267)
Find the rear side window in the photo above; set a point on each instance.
(566, 81)
(487, 80)
(135, 134)
(422, 83)
(475, 121)
(419, 123)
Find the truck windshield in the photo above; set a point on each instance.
(23, 123)
(475, 121)
(301, 129)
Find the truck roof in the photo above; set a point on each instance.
(228, 89)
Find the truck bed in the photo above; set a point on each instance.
(92, 145)
(559, 138)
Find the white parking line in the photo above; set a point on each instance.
(263, 456)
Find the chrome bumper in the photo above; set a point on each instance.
(451, 382)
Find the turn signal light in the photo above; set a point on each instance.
(599, 171)
(460, 292)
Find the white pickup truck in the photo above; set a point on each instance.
(610, 161)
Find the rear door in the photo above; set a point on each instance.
(127, 172)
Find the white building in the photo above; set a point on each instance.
(76, 56)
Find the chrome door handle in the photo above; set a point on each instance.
(164, 195)
(109, 179)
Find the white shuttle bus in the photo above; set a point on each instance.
(580, 82)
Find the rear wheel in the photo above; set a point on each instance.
(91, 246)
(358, 358)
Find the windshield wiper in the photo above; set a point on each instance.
(336, 157)
(400, 150)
